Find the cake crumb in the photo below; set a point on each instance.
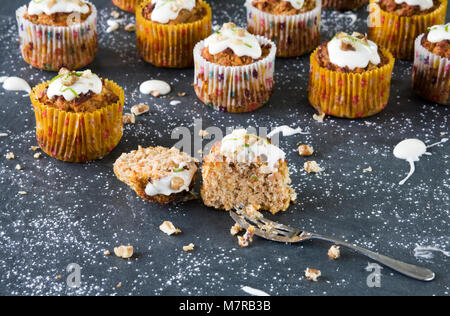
(10, 156)
(124, 252)
(236, 229)
(319, 117)
(189, 247)
(182, 94)
(334, 252)
(37, 156)
(34, 148)
(128, 118)
(312, 275)
(19, 167)
(312, 167)
(169, 229)
(369, 169)
(155, 93)
(305, 150)
(247, 239)
(22, 192)
(139, 109)
(119, 285)
(115, 14)
(107, 253)
(3, 135)
(59, 277)
(130, 27)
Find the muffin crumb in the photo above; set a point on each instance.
(115, 14)
(247, 239)
(19, 167)
(334, 252)
(130, 27)
(34, 148)
(305, 150)
(169, 229)
(369, 169)
(319, 117)
(139, 109)
(189, 247)
(4, 135)
(312, 275)
(128, 118)
(10, 156)
(37, 156)
(236, 229)
(312, 167)
(124, 252)
(22, 192)
(107, 253)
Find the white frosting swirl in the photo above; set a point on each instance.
(439, 33)
(424, 4)
(163, 186)
(363, 53)
(87, 81)
(166, 10)
(241, 42)
(37, 7)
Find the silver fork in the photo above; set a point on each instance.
(286, 234)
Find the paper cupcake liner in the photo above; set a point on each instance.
(127, 5)
(50, 47)
(431, 75)
(78, 137)
(342, 5)
(398, 34)
(170, 46)
(235, 89)
(294, 35)
(349, 95)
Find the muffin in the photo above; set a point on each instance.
(292, 25)
(234, 70)
(167, 31)
(78, 116)
(343, 5)
(395, 24)
(246, 169)
(158, 174)
(58, 33)
(127, 5)
(350, 77)
(431, 71)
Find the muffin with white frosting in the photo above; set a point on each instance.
(158, 174)
(78, 116)
(234, 70)
(395, 24)
(343, 5)
(431, 71)
(292, 24)
(58, 33)
(246, 169)
(168, 30)
(127, 5)
(350, 77)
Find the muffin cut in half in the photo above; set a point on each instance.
(246, 169)
(158, 174)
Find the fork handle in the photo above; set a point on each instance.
(407, 269)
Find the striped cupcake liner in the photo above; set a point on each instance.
(294, 35)
(235, 89)
(51, 48)
(343, 5)
(127, 5)
(431, 74)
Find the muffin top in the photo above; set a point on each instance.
(350, 53)
(77, 92)
(409, 7)
(57, 12)
(234, 46)
(437, 40)
(285, 7)
(174, 12)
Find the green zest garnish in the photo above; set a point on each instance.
(71, 90)
(178, 170)
(255, 178)
(248, 45)
(57, 77)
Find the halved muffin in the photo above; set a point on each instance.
(158, 174)
(246, 169)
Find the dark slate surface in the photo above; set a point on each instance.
(73, 213)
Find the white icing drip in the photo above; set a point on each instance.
(241, 42)
(15, 84)
(254, 292)
(358, 58)
(443, 141)
(297, 4)
(37, 7)
(163, 186)
(424, 4)
(234, 147)
(427, 252)
(150, 86)
(286, 131)
(166, 10)
(410, 150)
(85, 83)
(439, 33)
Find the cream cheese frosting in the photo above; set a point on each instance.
(49, 7)
(241, 42)
(423, 4)
(362, 51)
(297, 4)
(166, 10)
(439, 33)
(85, 82)
(163, 186)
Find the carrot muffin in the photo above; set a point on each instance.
(58, 33)
(292, 24)
(158, 174)
(234, 70)
(127, 5)
(395, 24)
(78, 116)
(246, 169)
(350, 77)
(168, 30)
(431, 71)
(343, 5)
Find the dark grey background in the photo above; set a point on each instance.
(73, 213)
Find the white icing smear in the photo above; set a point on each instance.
(236, 146)
(241, 42)
(86, 82)
(253, 291)
(297, 4)
(37, 7)
(443, 141)
(163, 186)
(286, 131)
(439, 33)
(410, 150)
(166, 10)
(363, 53)
(150, 86)
(15, 84)
(424, 4)
(427, 252)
